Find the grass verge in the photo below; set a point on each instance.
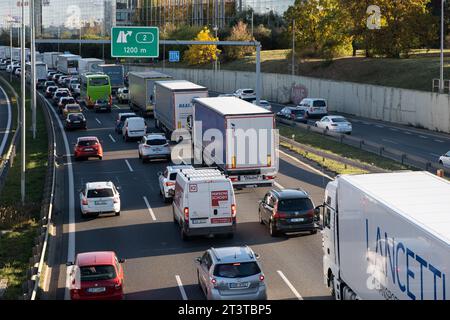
(327, 145)
(22, 221)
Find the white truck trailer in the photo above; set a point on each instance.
(41, 71)
(68, 63)
(89, 65)
(16, 54)
(50, 59)
(173, 104)
(5, 52)
(238, 137)
(142, 91)
(387, 236)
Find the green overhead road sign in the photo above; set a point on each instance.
(134, 42)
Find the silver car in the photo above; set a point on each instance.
(154, 146)
(231, 273)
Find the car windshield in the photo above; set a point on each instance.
(319, 103)
(338, 120)
(236, 270)
(122, 118)
(87, 143)
(76, 117)
(97, 273)
(298, 204)
(100, 193)
(156, 142)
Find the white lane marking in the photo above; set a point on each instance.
(393, 129)
(366, 123)
(180, 286)
(389, 141)
(436, 140)
(279, 186)
(8, 123)
(115, 106)
(306, 165)
(289, 284)
(71, 205)
(407, 132)
(435, 155)
(128, 164)
(149, 208)
(379, 126)
(423, 137)
(85, 109)
(111, 137)
(99, 122)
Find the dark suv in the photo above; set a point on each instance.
(288, 210)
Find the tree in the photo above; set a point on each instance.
(239, 33)
(202, 54)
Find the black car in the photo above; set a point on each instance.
(293, 113)
(75, 121)
(288, 210)
(102, 105)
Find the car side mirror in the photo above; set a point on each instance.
(172, 192)
(257, 256)
(118, 188)
(69, 263)
(122, 260)
(159, 173)
(198, 259)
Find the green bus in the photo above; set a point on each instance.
(95, 86)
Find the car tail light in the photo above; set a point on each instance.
(186, 213)
(118, 286)
(233, 211)
(110, 99)
(116, 199)
(214, 282)
(310, 213)
(261, 277)
(269, 177)
(170, 183)
(276, 214)
(292, 116)
(84, 202)
(233, 179)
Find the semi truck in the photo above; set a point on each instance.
(387, 236)
(68, 63)
(115, 74)
(89, 65)
(41, 71)
(16, 54)
(141, 90)
(238, 137)
(173, 103)
(51, 58)
(5, 52)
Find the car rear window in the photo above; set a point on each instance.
(156, 142)
(125, 91)
(87, 143)
(249, 91)
(97, 273)
(173, 176)
(122, 118)
(75, 117)
(298, 204)
(319, 103)
(236, 270)
(68, 100)
(73, 108)
(338, 120)
(100, 193)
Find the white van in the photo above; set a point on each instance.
(314, 107)
(204, 203)
(134, 128)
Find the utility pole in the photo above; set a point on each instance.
(441, 79)
(215, 60)
(293, 47)
(23, 96)
(252, 24)
(33, 69)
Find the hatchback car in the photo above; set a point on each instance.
(231, 273)
(63, 101)
(167, 180)
(102, 105)
(50, 91)
(88, 147)
(245, 94)
(96, 276)
(263, 104)
(71, 108)
(445, 160)
(56, 77)
(121, 117)
(99, 197)
(122, 95)
(314, 107)
(48, 84)
(154, 146)
(50, 75)
(294, 114)
(335, 124)
(57, 97)
(288, 210)
(75, 121)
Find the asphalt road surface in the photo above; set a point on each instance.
(159, 265)
(5, 121)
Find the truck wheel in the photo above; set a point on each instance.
(314, 231)
(273, 230)
(230, 235)
(117, 213)
(174, 218)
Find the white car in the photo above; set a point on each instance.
(99, 197)
(154, 146)
(167, 180)
(445, 160)
(62, 90)
(122, 95)
(316, 107)
(227, 95)
(264, 104)
(335, 124)
(245, 94)
(18, 72)
(134, 128)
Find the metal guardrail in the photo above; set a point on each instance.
(8, 159)
(376, 148)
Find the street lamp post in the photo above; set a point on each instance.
(215, 61)
(23, 96)
(441, 79)
(293, 47)
(33, 69)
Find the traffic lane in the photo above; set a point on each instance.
(5, 120)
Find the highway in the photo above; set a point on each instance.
(5, 121)
(159, 264)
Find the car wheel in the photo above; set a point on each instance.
(117, 213)
(441, 163)
(126, 137)
(199, 283)
(314, 231)
(140, 157)
(83, 215)
(273, 230)
(326, 129)
(100, 158)
(261, 221)
(166, 200)
(184, 236)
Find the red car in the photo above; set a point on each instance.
(88, 147)
(96, 276)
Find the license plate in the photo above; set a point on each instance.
(100, 203)
(156, 149)
(88, 149)
(198, 221)
(76, 122)
(252, 177)
(297, 220)
(220, 220)
(97, 290)
(239, 285)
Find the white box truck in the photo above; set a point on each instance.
(387, 236)
(41, 71)
(173, 103)
(238, 137)
(68, 63)
(16, 54)
(50, 59)
(5, 52)
(141, 90)
(89, 65)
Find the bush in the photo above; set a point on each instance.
(238, 33)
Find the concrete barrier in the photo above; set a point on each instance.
(418, 108)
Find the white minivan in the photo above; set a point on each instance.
(134, 128)
(204, 203)
(314, 107)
